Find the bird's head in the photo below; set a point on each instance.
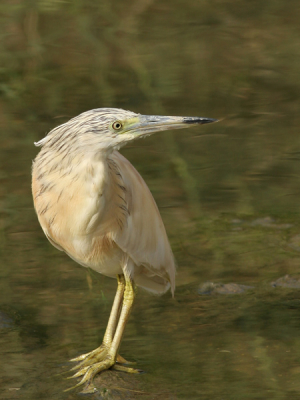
(107, 129)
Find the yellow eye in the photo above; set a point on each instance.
(117, 125)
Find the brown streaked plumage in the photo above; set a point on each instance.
(93, 205)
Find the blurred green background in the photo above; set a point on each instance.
(228, 194)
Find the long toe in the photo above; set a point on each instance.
(90, 372)
(84, 356)
(93, 358)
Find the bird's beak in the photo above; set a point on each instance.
(147, 124)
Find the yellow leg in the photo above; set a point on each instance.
(125, 312)
(115, 312)
(106, 355)
(111, 325)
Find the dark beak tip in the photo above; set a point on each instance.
(209, 120)
(201, 121)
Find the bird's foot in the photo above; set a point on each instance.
(88, 370)
(99, 352)
(98, 360)
(90, 355)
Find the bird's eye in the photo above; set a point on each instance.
(117, 125)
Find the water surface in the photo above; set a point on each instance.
(228, 194)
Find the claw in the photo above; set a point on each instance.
(89, 389)
(123, 368)
(73, 387)
(122, 360)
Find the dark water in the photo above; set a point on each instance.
(229, 194)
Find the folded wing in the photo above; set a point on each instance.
(142, 235)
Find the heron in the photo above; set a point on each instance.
(93, 205)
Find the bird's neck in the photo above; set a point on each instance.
(72, 183)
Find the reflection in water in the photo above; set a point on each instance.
(229, 198)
